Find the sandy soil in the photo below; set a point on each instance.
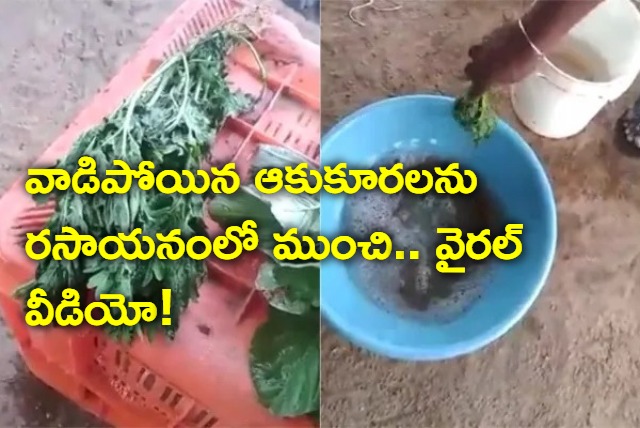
(54, 55)
(573, 361)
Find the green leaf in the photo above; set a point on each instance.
(299, 211)
(232, 210)
(302, 281)
(122, 213)
(266, 280)
(285, 363)
(100, 282)
(476, 116)
(270, 156)
(41, 199)
(272, 213)
(290, 288)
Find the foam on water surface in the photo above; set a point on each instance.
(413, 288)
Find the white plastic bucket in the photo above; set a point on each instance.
(594, 64)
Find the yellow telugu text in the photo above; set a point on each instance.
(289, 247)
(336, 179)
(74, 315)
(223, 180)
(446, 252)
(70, 244)
(296, 180)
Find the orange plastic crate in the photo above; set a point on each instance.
(201, 379)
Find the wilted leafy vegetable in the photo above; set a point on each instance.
(170, 121)
(476, 115)
(285, 354)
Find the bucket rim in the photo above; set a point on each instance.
(617, 80)
(588, 83)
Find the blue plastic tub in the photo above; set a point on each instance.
(512, 173)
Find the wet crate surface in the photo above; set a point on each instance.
(201, 378)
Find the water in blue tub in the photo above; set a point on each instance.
(413, 288)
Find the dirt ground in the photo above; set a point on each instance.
(575, 359)
(54, 55)
(572, 362)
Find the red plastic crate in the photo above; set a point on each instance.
(201, 379)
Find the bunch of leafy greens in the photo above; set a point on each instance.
(170, 121)
(476, 115)
(285, 353)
